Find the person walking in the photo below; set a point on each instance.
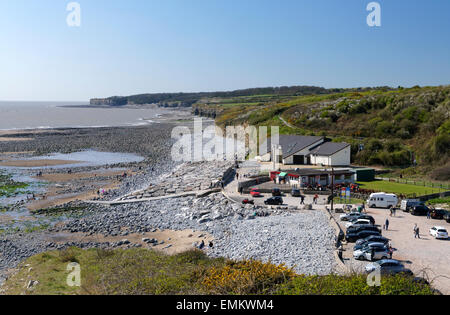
(386, 225)
(418, 232)
(429, 215)
(316, 199)
(302, 200)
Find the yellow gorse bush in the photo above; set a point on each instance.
(245, 277)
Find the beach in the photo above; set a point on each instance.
(73, 173)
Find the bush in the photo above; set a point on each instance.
(352, 285)
(245, 277)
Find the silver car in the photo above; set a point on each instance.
(373, 251)
(350, 216)
(388, 267)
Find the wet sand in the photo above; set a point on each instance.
(174, 241)
(14, 139)
(37, 163)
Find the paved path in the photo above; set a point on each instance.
(285, 122)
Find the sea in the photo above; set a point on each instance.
(45, 115)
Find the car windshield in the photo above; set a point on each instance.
(442, 231)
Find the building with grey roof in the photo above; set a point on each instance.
(305, 150)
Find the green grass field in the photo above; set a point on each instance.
(396, 188)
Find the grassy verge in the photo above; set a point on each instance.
(396, 188)
(140, 271)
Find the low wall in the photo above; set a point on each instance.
(342, 267)
(434, 196)
(228, 175)
(246, 184)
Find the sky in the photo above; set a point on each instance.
(126, 47)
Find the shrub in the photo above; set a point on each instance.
(352, 285)
(68, 255)
(245, 277)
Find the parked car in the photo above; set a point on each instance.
(373, 251)
(276, 192)
(350, 216)
(447, 216)
(358, 222)
(355, 236)
(367, 217)
(388, 267)
(295, 192)
(382, 200)
(255, 192)
(407, 204)
(377, 239)
(438, 214)
(439, 232)
(419, 210)
(248, 202)
(358, 228)
(360, 244)
(274, 201)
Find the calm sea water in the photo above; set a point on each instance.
(32, 115)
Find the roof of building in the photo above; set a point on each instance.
(329, 148)
(290, 144)
(317, 172)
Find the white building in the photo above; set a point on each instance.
(306, 150)
(331, 154)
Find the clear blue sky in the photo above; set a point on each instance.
(128, 47)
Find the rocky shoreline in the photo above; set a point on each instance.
(303, 240)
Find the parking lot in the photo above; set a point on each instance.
(425, 255)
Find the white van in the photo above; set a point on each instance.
(382, 200)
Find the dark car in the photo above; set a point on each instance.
(295, 192)
(419, 210)
(353, 237)
(365, 217)
(274, 201)
(389, 267)
(374, 238)
(447, 216)
(360, 244)
(276, 192)
(438, 214)
(365, 227)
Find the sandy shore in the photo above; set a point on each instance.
(37, 163)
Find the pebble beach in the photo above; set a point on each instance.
(302, 239)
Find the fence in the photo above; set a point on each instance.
(445, 186)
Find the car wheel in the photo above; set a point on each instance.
(372, 206)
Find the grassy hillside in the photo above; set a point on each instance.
(388, 127)
(140, 271)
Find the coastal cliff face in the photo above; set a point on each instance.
(207, 111)
(110, 101)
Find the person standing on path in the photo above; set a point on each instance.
(418, 232)
(386, 225)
